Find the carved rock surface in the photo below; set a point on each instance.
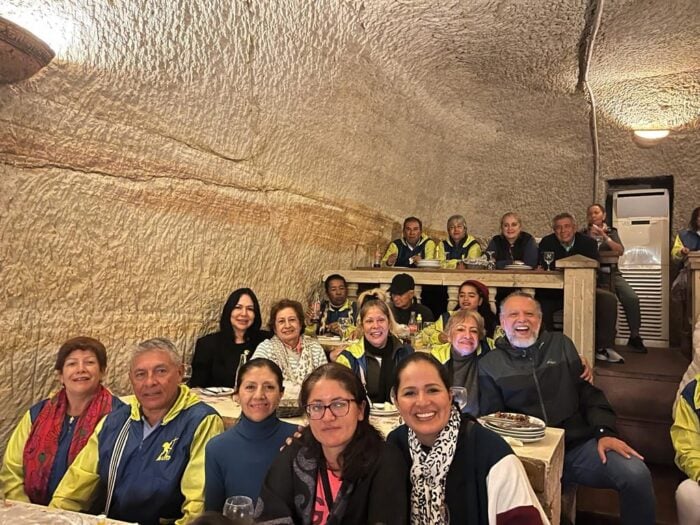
(177, 149)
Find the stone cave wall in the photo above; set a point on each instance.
(169, 156)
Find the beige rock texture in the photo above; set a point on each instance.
(175, 150)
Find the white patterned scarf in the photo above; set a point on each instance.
(429, 473)
(295, 365)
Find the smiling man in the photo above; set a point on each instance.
(147, 456)
(538, 374)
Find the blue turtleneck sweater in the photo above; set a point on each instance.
(237, 461)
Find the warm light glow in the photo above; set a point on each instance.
(651, 134)
(52, 28)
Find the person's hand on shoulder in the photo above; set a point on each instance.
(616, 445)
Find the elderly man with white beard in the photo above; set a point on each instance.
(538, 374)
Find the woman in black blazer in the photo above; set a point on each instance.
(217, 356)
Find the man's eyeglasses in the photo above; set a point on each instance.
(339, 408)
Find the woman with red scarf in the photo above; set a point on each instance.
(53, 431)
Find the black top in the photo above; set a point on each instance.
(403, 316)
(583, 245)
(216, 359)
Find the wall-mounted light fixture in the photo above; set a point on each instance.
(648, 138)
(21, 53)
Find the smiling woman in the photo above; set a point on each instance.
(217, 356)
(237, 460)
(296, 354)
(375, 355)
(470, 473)
(53, 431)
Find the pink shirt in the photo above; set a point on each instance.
(321, 508)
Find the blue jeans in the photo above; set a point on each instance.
(629, 477)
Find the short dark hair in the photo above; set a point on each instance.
(598, 205)
(564, 215)
(417, 357)
(693, 224)
(81, 343)
(333, 277)
(364, 449)
(413, 219)
(260, 362)
(281, 305)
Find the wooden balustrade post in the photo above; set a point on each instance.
(579, 303)
(352, 291)
(452, 297)
(694, 285)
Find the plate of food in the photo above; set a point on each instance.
(510, 421)
(383, 410)
(216, 391)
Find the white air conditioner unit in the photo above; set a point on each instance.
(642, 220)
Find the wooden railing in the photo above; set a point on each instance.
(694, 282)
(578, 280)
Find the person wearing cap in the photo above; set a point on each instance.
(411, 248)
(403, 301)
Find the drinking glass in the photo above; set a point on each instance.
(459, 396)
(344, 323)
(239, 509)
(186, 373)
(491, 258)
(548, 258)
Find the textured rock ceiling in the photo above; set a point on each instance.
(177, 149)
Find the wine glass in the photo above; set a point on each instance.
(459, 396)
(548, 258)
(239, 509)
(491, 258)
(186, 373)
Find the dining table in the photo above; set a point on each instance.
(22, 513)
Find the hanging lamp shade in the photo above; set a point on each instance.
(21, 53)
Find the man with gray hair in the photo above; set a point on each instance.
(538, 374)
(145, 461)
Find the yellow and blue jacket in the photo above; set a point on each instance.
(685, 431)
(449, 254)
(331, 314)
(425, 248)
(160, 478)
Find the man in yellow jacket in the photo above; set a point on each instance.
(147, 457)
(685, 434)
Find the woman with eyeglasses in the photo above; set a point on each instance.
(340, 471)
(374, 357)
(460, 472)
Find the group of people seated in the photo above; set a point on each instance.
(513, 245)
(162, 456)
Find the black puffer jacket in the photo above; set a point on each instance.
(543, 381)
